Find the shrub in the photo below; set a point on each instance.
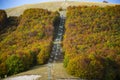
(60, 9)
(3, 18)
(44, 54)
(85, 67)
(14, 64)
(3, 69)
(66, 60)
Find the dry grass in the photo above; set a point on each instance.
(53, 6)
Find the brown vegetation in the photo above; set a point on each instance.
(3, 18)
(92, 42)
(29, 43)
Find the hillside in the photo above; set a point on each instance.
(29, 43)
(53, 6)
(92, 42)
(82, 41)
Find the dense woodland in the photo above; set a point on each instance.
(92, 42)
(26, 40)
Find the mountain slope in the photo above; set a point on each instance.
(51, 6)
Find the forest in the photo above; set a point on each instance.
(92, 42)
(26, 40)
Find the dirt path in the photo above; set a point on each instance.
(54, 71)
(57, 72)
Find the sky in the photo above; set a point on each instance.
(4, 4)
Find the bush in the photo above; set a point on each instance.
(44, 54)
(66, 60)
(13, 21)
(86, 67)
(14, 64)
(3, 69)
(60, 9)
(3, 18)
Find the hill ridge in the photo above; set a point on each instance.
(53, 6)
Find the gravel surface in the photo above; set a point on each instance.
(25, 77)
